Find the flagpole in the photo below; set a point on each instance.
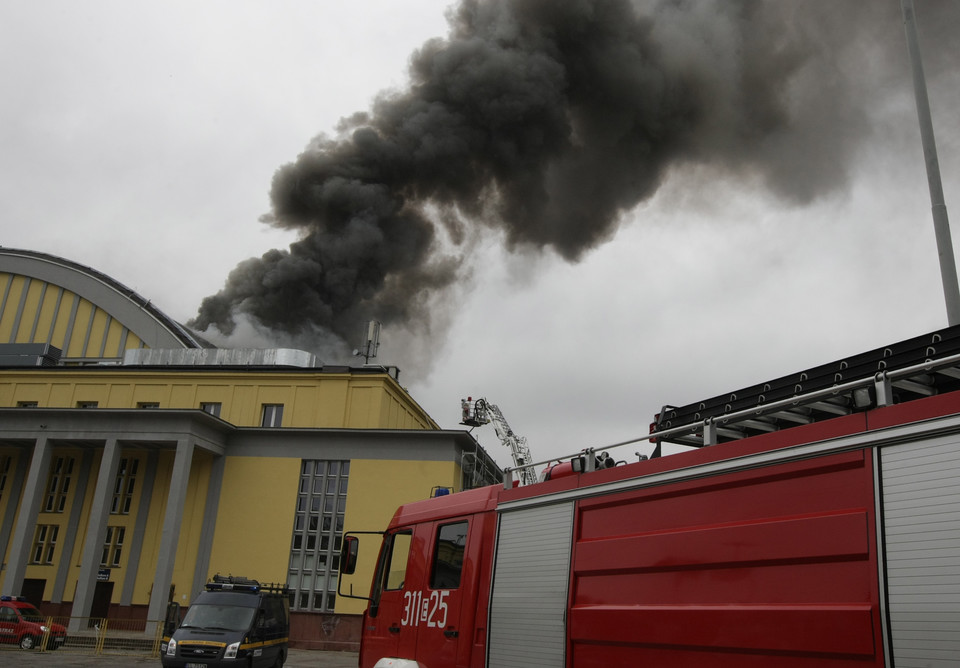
(941, 223)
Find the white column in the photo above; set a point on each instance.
(96, 532)
(27, 519)
(172, 518)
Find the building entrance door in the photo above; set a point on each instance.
(100, 608)
(32, 590)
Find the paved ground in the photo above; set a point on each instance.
(299, 658)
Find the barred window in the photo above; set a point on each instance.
(44, 543)
(113, 547)
(123, 487)
(317, 534)
(58, 485)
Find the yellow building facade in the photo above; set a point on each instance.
(136, 461)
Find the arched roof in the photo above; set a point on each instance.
(84, 313)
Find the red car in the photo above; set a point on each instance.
(23, 624)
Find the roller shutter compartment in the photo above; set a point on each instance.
(529, 598)
(921, 526)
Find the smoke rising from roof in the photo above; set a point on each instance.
(547, 121)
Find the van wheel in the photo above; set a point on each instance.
(279, 662)
(28, 642)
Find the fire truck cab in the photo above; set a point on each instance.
(426, 593)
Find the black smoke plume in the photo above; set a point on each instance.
(547, 120)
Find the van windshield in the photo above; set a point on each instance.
(218, 617)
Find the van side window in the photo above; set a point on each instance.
(448, 556)
(396, 573)
(273, 614)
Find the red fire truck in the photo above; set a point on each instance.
(815, 522)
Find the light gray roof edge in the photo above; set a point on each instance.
(137, 313)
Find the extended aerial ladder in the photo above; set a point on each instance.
(481, 412)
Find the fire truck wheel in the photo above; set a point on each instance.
(28, 642)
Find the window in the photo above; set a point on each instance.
(391, 566)
(317, 534)
(123, 487)
(113, 547)
(272, 415)
(448, 556)
(44, 543)
(396, 573)
(87, 404)
(210, 407)
(274, 614)
(58, 485)
(27, 404)
(148, 404)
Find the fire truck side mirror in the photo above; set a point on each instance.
(348, 555)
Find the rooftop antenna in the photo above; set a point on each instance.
(941, 224)
(371, 343)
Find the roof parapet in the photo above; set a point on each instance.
(288, 357)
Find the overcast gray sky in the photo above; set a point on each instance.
(141, 139)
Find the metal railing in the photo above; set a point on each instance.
(881, 383)
(94, 636)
